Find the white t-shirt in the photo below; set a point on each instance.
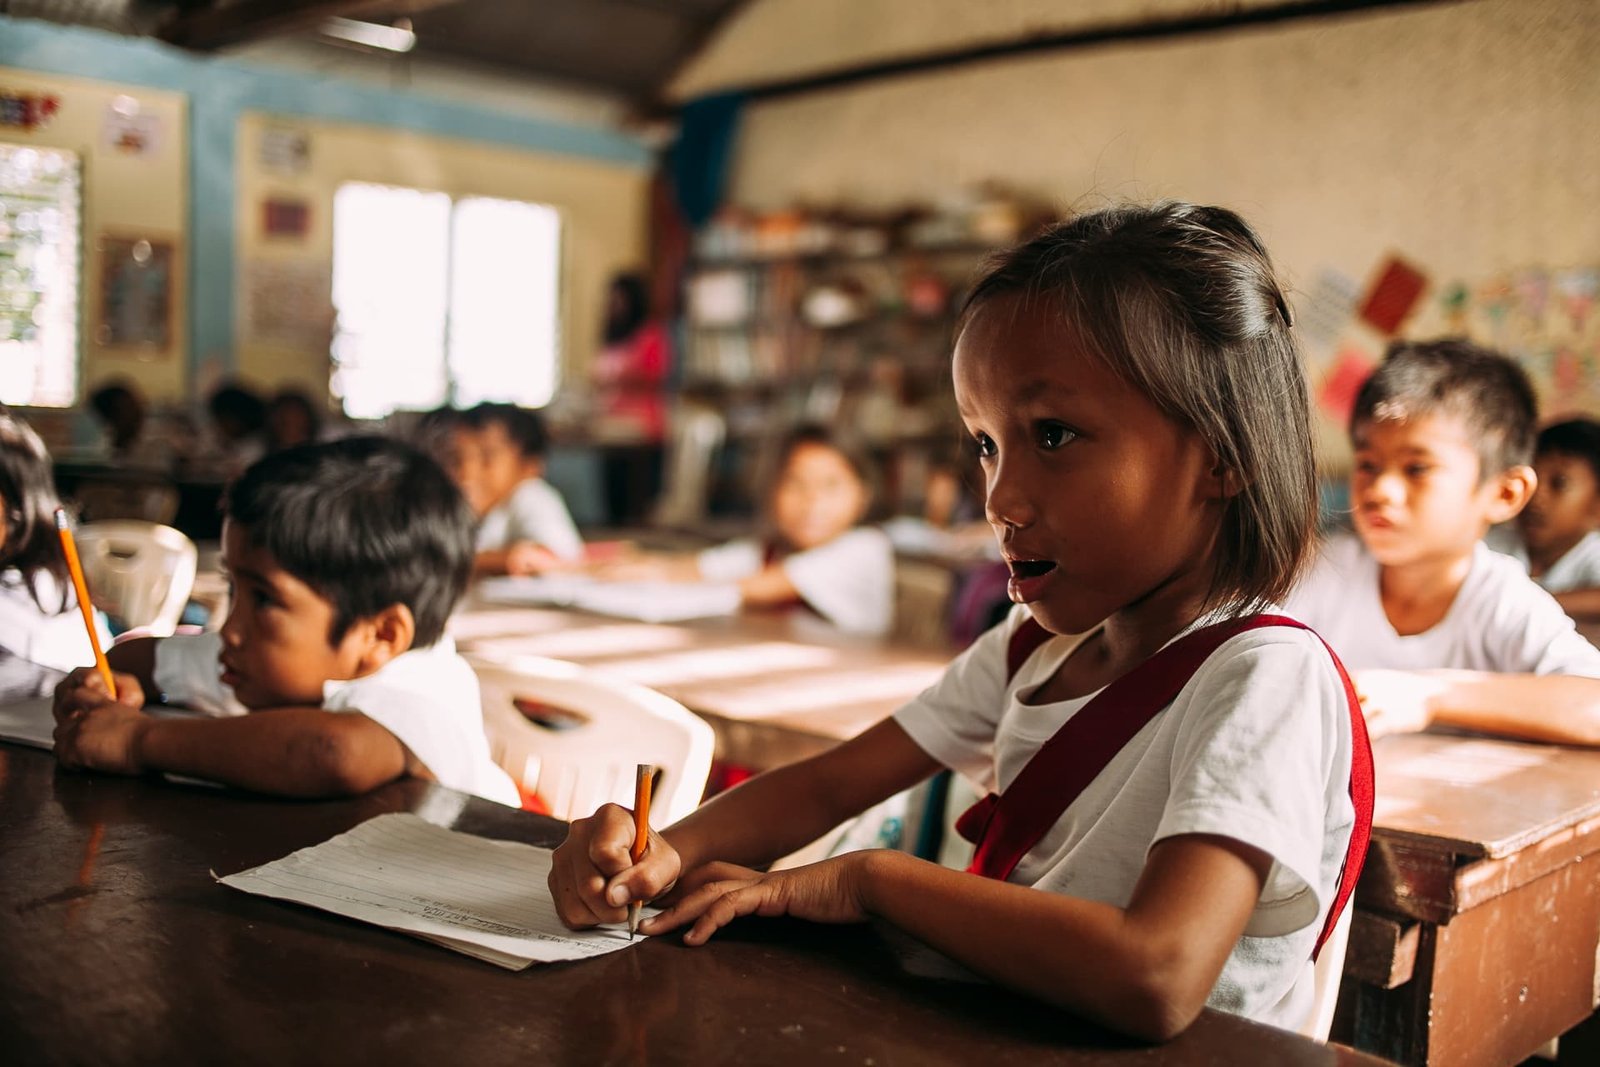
(1500, 620)
(535, 512)
(1579, 568)
(1256, 748)
(849, 581)
(57, 641)
(427, 698)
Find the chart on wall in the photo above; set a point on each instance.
(40, 209)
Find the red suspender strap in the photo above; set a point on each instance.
(1006, 827)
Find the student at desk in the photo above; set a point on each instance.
(1556, 536)
(816, 555)
(1133, 389)
(332, 674)
(41, 630)
(1438, 626)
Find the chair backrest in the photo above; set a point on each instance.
(1328, 970)
(922, 592)
(139, 573)
(693, 443)
(574, 736)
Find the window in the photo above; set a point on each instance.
(442, 301)
(40, 215)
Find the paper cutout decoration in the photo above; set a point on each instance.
(284, 217)
(1392, 296)
(1337, 396)
(30, 111)
(1326, 309)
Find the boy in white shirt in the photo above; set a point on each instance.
(331, 675)
(1435, 625)
(495, 453)
(1555, 535)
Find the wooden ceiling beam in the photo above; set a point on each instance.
(204, 29)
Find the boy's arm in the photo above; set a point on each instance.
(768, 587)
(297, 752)
(1560, 708)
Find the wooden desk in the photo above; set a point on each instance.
(1478, 913)
(119, 948)
(775, 689)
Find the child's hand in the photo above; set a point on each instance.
(714, 895)
(592, 877)
(105, 738)
(1397, 702)
(525, 557)
(84, 689)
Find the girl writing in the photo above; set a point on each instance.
(1138, 406)
(41, 631)
(816, 555)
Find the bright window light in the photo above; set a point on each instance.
(40, 218)
(442, 301)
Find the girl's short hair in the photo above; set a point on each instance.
(28, 489)
(1180, 301)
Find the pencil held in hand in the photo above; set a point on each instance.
(643, 776)
(69, 548)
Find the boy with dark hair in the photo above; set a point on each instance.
(495, 452)
(345, 559)
(1558, 541)
(1439, 627)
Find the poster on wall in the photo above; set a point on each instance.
(136, 279)
(287, 302)
(131, 130)
(285, 150)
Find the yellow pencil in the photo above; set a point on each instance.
(69, 548)
(643, 776)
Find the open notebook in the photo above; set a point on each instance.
(485, 898)
(645, 601)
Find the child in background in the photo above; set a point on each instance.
(816, 555)
(495, 452)
(1438, 626)
(1558, 542)
(332, 674)
(41, 629)
(1137, 401)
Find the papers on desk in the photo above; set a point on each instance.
(29, 722)
(485, 898)
(645, 601)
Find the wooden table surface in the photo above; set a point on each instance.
(775, 688)
(119, 948)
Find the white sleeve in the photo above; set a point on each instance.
(849, 581)
(1256, 760)
(1533, 635)
(187, 672)
(731, 562)
(409, 707)
(955, 720)
(538, 514)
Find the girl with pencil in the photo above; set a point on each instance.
(1132, 388)
(41, 634)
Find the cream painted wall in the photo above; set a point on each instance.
(143, 195)
(602, 209)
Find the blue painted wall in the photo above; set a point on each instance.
(220, 89)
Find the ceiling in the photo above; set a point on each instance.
(631, 48)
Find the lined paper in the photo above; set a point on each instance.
(29, 722)
(485, 898)
(645, 601)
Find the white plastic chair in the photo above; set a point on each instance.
(1329, 969)
(575, 736)
(138, 572)
(696, 436)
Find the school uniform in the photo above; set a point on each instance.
(426, 697)
(849, 581)
(56, 640)
(1500, 620)
(534, 512)
(1256, 747)
(1578, 568)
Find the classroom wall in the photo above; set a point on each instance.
(128, 193)
(602, 214)
(411, 137)
(1460, 136)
